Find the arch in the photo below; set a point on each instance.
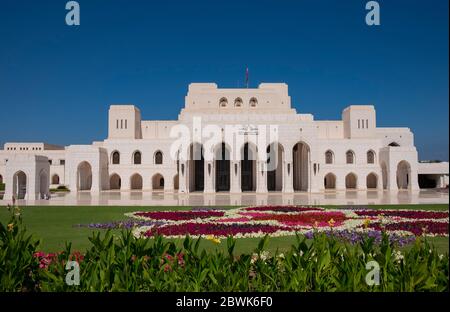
(329, 181)
(55, 179)
(372, 181)
(275, 156)
(137, 157)
(158, 158)
(223, 102)
(222, 166)
(115, 182)
(43, 184)
(84, 176)
(329, 157)
(350, 157)
(238, 102)
(248, 167)
(300, 157)
(20, 185)
(253, 102)
(115, 158)
(136, 182)
(351, 181)
(176, 182)
(384, 175)
(403, 175)
(196, 167)
(394, 144)
(370, 157)
(157, 182)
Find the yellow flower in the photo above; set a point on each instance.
(10, 227)
(213, 239)
(331, 222)
(366, 223)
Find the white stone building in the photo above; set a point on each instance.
(308, 155)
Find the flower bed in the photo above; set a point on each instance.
(288, 220)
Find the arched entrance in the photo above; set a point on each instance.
(84, 176)
(196, 168)
(115, 182)
(300, 158)
(43, 185)
(329, 181)
(19, 185)
(158, 182)
(222, 164)
(275, 154)
(403, 175)
(248, 168)
(350, 181)
(371, 181)
(136, 182)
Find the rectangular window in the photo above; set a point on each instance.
(121, 123)
(117, 123)
(367, 123)
(62, 161)
(50, 161)
(359, 123)
(126, 123)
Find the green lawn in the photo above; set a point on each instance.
(54, 225)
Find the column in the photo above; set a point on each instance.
(235, 177)
(288, 186)
(261, 177)
(209, 173)
(182, 177)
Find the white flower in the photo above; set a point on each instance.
(398, 256)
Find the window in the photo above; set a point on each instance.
(116, 158)
(50, 161)
(121, 123)
(359, 123)
(117, 123)
(367, 123)
(62, 161)
(126, 123)
(394, 144)
(137, 158)
(158, 158)
(223, 102)
(350, 157)
(328, 157)
(253, 102)
(370, 157)
(238, 102)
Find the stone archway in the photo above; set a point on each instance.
(136, 182)
(20, 186)
(84, 176)
(196, 165)
(372, 181)
(44, 183)
(329, 181)
(115, 182)
(248, 167)
(301, 158)
(275, 156)
(222, 168)
(158, 182)
(55, 179)
(403, 175)
(351, 181)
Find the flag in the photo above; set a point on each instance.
(246, 77)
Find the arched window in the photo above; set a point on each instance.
(253, 102)
(223, 102)
(116, 158)
(238, 102)
(55, 179)
(370, 157)
(137, 158)
(328, 157)
(158, 158)
(393, 144)
(350, 157)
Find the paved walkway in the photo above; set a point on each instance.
(142, 198)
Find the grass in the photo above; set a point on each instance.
(54, 225)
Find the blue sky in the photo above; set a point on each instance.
(56, 81)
